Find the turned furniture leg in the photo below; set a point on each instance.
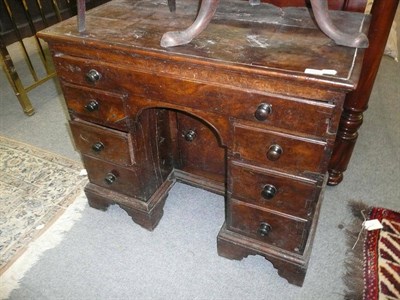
(176, 38)
(356, 102)
(321, 13)
(346, 138)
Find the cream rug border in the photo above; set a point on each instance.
(40, 152)
(55, 158)
(53, 236)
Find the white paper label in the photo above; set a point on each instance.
(372, 225)
(320, 72)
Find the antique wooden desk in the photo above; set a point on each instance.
(233, 112)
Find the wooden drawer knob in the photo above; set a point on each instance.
(97, 147)
(274, 152)
(190, 135)
(264, 229)
(269, 191)
(110, 178)
(92, 76)
(93, 105)
(262, 112)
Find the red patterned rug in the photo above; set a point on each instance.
(382, 257)
(373, 260)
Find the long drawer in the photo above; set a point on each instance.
(103, 143)
(269, 190)
(278, 230)
(279, 151)
(293, 114)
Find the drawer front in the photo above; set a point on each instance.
(307, 117)
(129, 181)
(199, 150)
(277, 230)
(275, 192)
(304, 116)
(95, 106)
(91, 73)
(279, 151)
(103, 143)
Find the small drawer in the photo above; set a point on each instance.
(272, 191)
(95, 106)
(278, 230)
(91, 73)
(106, 144)
(290, 114)
(279, 151)
(132, 181)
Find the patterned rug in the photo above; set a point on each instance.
(382, 257)
(36, 187)
(373, 263)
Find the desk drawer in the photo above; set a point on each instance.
(95, 74)
(271, 191)
(302, 116)
(293, 114)
(306, 117)
(132, 181)
(95, 106)
(103, 143)
(279, 151)
(280, 231)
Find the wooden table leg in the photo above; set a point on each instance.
(383, 13)
(176, 38)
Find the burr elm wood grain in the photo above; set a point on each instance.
(233, 112)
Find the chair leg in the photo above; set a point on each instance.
(321, 14)
(208, 8)
(176, 38)
(81, 6)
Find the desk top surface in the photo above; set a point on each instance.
(265, 37)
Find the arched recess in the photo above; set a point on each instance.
(218, 124)
(161, 131)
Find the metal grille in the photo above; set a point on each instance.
(25, 24)
(24, 18)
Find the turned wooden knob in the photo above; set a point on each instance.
(190, 135)
(269, 191)
(97, 147)
(110, 178)
(92, 106)
(92, 76)
(274, 152)
(264, 229)
(262, 112)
